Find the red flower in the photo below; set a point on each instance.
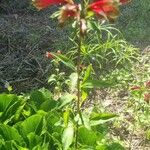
(148, 84)
(135, 88)
(147, 97)
(41, 4)
(105, 9)
(69, 11)
(49, 55)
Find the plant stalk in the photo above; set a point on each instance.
(78, 83)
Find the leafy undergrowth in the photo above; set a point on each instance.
(38, 121)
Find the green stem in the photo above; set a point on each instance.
(78, 84)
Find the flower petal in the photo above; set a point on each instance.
(69, 11)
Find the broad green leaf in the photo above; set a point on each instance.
(87, 137)
(10, 105)
(9, 133)
(46, 93)
(32, 124)
(42, 99)
(67, 137)
(65, 60)
(48, 105)
(37, 98)
(52, 118)
(8, 145)
(34, 140)
(66, 99)
(5, 100)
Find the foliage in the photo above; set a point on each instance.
(37, 121)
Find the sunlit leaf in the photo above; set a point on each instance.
(87, 137)
(67, 137)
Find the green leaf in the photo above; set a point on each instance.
(103, 116)
(67, 137)
(87, 73)
(66, 117)
(9, 104)
(5, 100)
(33, 124)
(87, 137)
(37, 98)
(65, 60)
(84, 95)
(49, 105)
(9, 133)
(66, 99)
(33, 139)
(43, 99)
(51, 119)
(73, 81)
(90, 84)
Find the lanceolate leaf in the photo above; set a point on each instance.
(102, 116)
(65, 60)
(90, 84)
(87, 73)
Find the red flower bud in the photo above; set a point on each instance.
(135, 88)
(49, 55)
